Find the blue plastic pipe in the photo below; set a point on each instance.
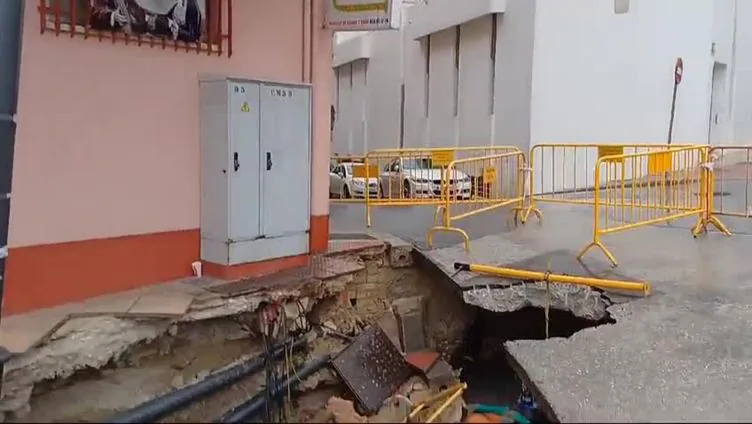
(247, 410)
(164, 405)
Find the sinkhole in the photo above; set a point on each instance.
(484, 362)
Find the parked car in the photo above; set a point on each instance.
(342, 183)
(417, 177)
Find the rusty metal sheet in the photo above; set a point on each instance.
(372, 368)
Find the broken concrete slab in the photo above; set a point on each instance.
(79, 344)
(19, 333)
(355, 243)
(422, 361)
(406, 305)
(675, 356)
(412, 334)
(582, 301)
(389, 324)
(502, 295)
(400, 251)
(165, 304)
(74, 337)
(112, 304)
(441, 375)
(330, 267)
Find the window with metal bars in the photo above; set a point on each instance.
(202, 26)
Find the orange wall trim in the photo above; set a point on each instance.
(319, 233)
(49, 275)
(54, 274)
(255, 269)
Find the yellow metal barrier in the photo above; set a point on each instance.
(563, 173)
(732, 166)
(639, 189)
(426, 409)
(476, 185)
(413, 177)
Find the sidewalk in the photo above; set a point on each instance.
(175, 299)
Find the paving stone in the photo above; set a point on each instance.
(441, 375)
(162, 304)
(422, 361)
(412, 335)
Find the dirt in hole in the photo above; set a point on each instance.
(191, 351)
(482, 356)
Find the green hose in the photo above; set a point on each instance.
(501, 411)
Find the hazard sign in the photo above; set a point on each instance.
(245, 107)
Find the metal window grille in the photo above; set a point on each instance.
(200, 26)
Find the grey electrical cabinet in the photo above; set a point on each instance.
(255, 170)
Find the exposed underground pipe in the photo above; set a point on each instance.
(161, 406)
(245, 411)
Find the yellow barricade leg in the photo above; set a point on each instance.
(708, 217)
(603, 249)
(684, 188)
(460, 231)
(525, 214)
(480, 184)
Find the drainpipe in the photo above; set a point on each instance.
(11, 12)
(732, 84)
(303, 7)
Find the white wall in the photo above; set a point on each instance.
(599, 77)
(397, 58)
(742, 81)
(565, 71)
(350, 136)
(382, 94)
(514, 73)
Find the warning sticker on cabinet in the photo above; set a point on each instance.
(245, 107)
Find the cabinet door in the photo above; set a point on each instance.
(285, 160)
(243, 161)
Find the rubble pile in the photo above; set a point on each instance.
(389, 380)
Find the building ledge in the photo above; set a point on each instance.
(352, 49)
(438, 15)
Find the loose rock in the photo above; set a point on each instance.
(344, 411)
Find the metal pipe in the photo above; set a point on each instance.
(245, 411)
(311, 35)
(519, 274)
(433, 399)
(440, 410)
(11, 26)
(157, 408)
(303, 32)
(11, 35)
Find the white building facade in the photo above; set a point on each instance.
(523, 72)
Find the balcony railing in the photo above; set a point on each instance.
(200, 26)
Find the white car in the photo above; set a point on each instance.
(342, 183)
(416, 177)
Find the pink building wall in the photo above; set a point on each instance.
(108, 146)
